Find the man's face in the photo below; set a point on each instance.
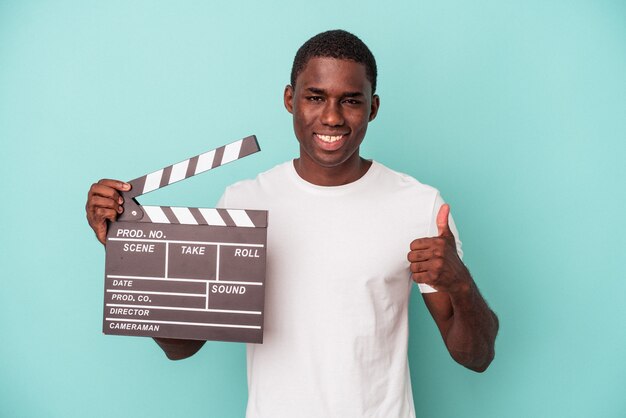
(331, 104)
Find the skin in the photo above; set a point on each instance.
(332, 103)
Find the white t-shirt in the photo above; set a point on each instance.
(337, 292)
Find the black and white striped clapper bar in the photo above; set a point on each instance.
(189, 273)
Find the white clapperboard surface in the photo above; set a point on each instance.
(189, 273)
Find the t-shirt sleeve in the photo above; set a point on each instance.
(433, 232)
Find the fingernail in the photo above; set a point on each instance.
(120, 209)
(126, 186)
(120, 200)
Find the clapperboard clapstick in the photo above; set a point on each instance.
(190, 273)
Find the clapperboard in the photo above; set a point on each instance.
(189, 273)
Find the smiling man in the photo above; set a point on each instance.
(347, 239)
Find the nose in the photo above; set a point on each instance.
(332, 115)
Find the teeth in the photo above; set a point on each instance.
(329, 138)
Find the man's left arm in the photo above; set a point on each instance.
(466, 323)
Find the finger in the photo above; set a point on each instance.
(421, 267)
(434, 265)
(442, 221)
(418, 267)
(115, 184)
(94, 202)
(97, 202)
(103, 191)
(421, 244)
(423, 277)
(433, 243)
(103, 202)
(420, 255)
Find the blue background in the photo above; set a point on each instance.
(516, 111)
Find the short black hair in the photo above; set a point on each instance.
(335, 44)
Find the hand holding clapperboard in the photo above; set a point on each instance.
(186, 273)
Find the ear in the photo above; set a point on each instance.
(374, 107)
(288, 98)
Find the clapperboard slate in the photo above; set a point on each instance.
(189, 273)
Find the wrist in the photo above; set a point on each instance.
(465, 291)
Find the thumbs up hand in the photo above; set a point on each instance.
(435, 261)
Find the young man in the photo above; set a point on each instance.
(338, 278)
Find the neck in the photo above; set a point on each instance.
(345, 173)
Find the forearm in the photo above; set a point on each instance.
(176, 349)
(472, 330)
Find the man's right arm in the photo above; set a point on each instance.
(104, 204)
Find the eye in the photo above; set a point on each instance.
(352, 102)
(314, 98)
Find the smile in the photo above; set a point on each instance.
(329, 138)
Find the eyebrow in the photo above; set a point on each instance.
(316, 90)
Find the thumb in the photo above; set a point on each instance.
(442, 221)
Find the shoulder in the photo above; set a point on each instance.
(251, 190)
(405, 197)
(401, 182)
